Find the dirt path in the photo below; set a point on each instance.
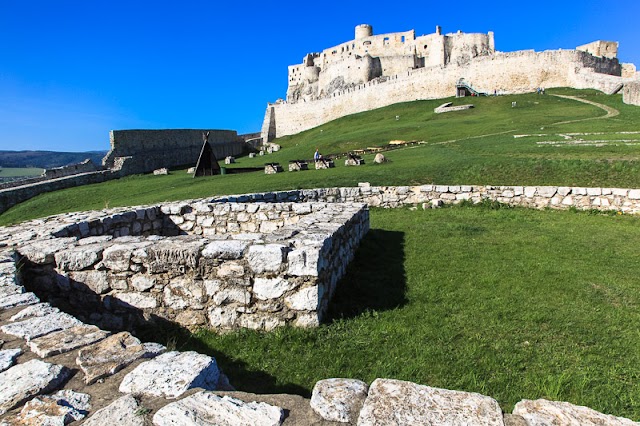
(611, 112)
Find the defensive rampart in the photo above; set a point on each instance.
(153, 149)
(631, 93)
(515, 72)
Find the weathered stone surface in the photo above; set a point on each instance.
(304, 300)
(10, 289)
(304, 262)
(66, 340)
(95, 281)
(171, 374)
(395, 402)
(271, 288)
(142, 282)
(266, 258)
(79, 258)
(61, 408)
(8, 358)
(111, 355)
(14, 300)
(205, 408)
(136, 300)
(184, 293)
(225, 249)
(37, 310)
(223, 317)
(123, 411)
(39, 326)
(339, 400)
(542, 412)
(23, 381)
(379, 159)
(43, 251)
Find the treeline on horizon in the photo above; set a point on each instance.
(47, 159)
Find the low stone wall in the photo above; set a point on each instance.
(255, 266)
(9, 197)
(631, 93)
(539, 197)
(86, 166)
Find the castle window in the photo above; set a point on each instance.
(386, 41)
(402, 39)
(366, 43)
(425, 47)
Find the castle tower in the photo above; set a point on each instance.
(363, 31)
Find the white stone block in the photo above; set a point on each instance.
(266, 258)
(225, 249)
(271, 288)
(123, 411)
(339, 400)
(542, 412)
(22, 381)
(205, 408)
(172, 374)
(395, 402)
(306, 299)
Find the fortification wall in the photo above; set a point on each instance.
(631, 93)
(516, 72)
(86, 166)
(154, 149)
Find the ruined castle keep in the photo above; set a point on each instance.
(372, 71)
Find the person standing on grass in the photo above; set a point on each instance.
(317, 156)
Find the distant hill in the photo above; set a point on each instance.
(47, 159)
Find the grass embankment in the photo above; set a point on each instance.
(511, 303)
(475, 146)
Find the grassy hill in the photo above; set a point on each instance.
(47, 159)
(511, 303)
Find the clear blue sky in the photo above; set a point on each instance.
(70, 71)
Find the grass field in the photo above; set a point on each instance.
(14, 172)
(511, 303)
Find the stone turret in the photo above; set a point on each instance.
(363, 31)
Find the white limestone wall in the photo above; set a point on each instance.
(516, 72)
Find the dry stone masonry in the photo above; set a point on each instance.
(264, 259)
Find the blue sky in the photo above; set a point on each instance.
(70, 71)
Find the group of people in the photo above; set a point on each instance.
(540, 90)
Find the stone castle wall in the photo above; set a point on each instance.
(86, 166)
(631, 93)
(154, 149)
(515, 72)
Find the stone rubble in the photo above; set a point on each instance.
(123, 411)
(542, 412)
(61, 408)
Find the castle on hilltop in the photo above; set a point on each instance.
(373, 71)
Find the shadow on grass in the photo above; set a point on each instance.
(375, 280)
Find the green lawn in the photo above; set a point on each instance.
(13, 172)
(510, 303)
